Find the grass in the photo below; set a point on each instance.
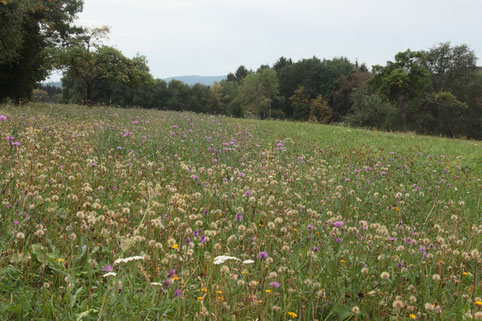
(320, 222)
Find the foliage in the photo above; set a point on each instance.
(402, 82)
(100, 73)
(371, 111)
(31, 31)
(320, 112)
(258, 91)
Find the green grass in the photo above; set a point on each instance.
(323, 211)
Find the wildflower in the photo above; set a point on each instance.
(478, 303)
(267, 291)
(263, 255)
(126, 260)
(223, 258)
(239, 217)
(20, 235)
(385, 275)
(412, 316)
(10, 138)
(108, 268)
(248, 262)
(109, 274)
(178, 293)
(355, 310)
(3, 117)
(398, 304)
(292, 315)
(175, 246)
(274, 284)
(338, 223)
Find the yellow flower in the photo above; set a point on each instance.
(465, 273)
(267, 291)
(219, 292)
(200, 298)
(412, 316)
(60, 260)
(292, 314)
(175, 246)
(204, 290)
(342, 261)
(175, 278)
(479, 303)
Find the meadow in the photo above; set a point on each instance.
(130, 214)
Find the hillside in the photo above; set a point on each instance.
(127, 214)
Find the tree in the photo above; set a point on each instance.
(342, 97)
(301, 104)
(402, 82)
(451, 68)
(320, 112)
(90, 65)
(258, 91)
(31, 31)
(371, 111)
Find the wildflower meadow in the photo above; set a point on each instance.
(129, 214)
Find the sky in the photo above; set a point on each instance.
(214, 37)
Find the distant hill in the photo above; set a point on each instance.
(57, 84)
(191, 80)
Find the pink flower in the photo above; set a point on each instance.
(10, 138)
(338, 223)
(3, 117)
(15, 143)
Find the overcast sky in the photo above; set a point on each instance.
(214, 37)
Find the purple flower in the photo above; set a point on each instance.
(239, 217)
(171, 272)
(339, 240)
(3, 117)
(15, 143)
(310, 227)
(15, 222)
(202, 239)
(178, 293)
(274, 284)
(108, 268)
(10, 138)
(316, 249)
(338, 223)
(195, 233)
(263, 255)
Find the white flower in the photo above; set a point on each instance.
(128, 259)
(109, 274)
(248, 262)
(223, 258)
(156, 283)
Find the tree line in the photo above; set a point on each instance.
(436, 91)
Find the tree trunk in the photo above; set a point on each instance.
(403, 113)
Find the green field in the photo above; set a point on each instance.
(320, 222)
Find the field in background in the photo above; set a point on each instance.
(123, 214)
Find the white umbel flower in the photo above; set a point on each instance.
(128, 259)
(223, 258)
